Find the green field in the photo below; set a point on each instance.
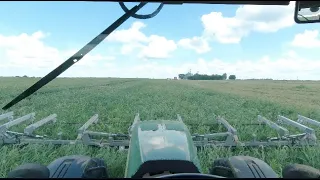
(118, 100)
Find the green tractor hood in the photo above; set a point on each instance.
(161, 143)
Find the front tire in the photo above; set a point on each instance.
(221, 167)
(78, 166)
(30, 170)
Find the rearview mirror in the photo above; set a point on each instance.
(307, 12)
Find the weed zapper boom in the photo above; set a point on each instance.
(307, 137)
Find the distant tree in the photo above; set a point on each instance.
(198, 76)
(232, 77)
(182, 76)
(224, 76)
(25, 76)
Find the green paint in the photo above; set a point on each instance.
(160, 140)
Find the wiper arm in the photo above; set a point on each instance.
(76, 57)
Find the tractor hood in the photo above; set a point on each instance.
(166, 140)
(160, 140)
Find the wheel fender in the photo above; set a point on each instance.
(250, 167)
(77, 166)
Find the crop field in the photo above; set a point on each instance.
(198, 102)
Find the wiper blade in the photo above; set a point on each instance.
(75, 58)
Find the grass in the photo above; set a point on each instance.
(118, 100)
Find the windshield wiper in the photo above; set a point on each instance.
(76, 57)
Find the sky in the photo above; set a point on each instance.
(248, 41)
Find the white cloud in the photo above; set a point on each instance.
(248, 18)
(153, 46)
(131, 35)
(159, 47)
(29, 51)
(130, 47)
(198, 44)
(28, 54)
(26, 51)
(289, 66)
(307, 39)
(133, 39)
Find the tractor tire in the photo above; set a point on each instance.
(98, 170)
(221, 167)
(294, 171)
(242, 167)
(78, 166)
(30, 170)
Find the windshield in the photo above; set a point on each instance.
(199, 61)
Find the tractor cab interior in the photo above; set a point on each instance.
(86, 167)
(165, 167)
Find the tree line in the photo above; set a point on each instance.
(198, 76)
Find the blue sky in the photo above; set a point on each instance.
(249, 41)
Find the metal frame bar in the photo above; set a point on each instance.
(231, 129)
(86, 139)
(301, 127)
(6, 126)
(112, 140)
(254, 144)
(231, 136)
(302, 119)
(73, 142)
(93, 119)
(32, 127)
(94, 133)
(81, 131)
(8, 115)
(221, 134)
(281, 130)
